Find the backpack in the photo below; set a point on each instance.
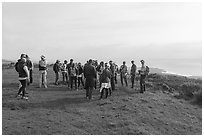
(17, 66)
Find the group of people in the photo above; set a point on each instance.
(89, 76)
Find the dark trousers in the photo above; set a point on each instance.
(125, 79)
(106, 93)
(115, 78)
(133, 80)
(74, 79)
(56, 77)
(112, 83)
(142, 83)
(64, 77)
(89, 92)
(80, 80)
(31, 76)
(23, 87)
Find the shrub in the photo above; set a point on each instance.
(198, 98)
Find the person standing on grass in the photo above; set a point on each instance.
(30, 66)
(143, 72)
(112, 79)
(43, 71)
(23, 77)
(69, 71)
(80, 75)
(105, 82)
(56, 69)
(90, 76)
(133, 73)
(99, 70)
(64, 72)
(123, 73)
(73, 76)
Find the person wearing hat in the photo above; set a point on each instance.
(90, 76)
(56, 69)
(133, 73)
(123, 73)
(43, 71)
(142, 73)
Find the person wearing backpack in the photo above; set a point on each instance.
(105, 82)
(56, 69)
(143, 72)
(23, 77)
(123, 73)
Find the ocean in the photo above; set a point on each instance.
(185, 67)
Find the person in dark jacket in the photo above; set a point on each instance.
(69, 71)
(90, 76)
(23, 77)
(56, 69)
(123, 73)
(133, 73)
(112, 79)
(105, 82)
(80, 75)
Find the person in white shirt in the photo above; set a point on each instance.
(43, 71)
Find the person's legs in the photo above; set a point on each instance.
(71, 82)
(102, 92)
(90, 92)
(106, 90)
(63, 77)
(23, 87)
(41, 77)
(121, 78)
(31, 76)
(45, 79)
(125, 78)
(112, 83)
(132, 80)
(75, 82)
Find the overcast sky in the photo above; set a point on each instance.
(103, 31)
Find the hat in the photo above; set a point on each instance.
(42, 56)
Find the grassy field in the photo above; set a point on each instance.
(57, 110)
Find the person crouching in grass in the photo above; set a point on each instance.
(105, 82)
(23, 77)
